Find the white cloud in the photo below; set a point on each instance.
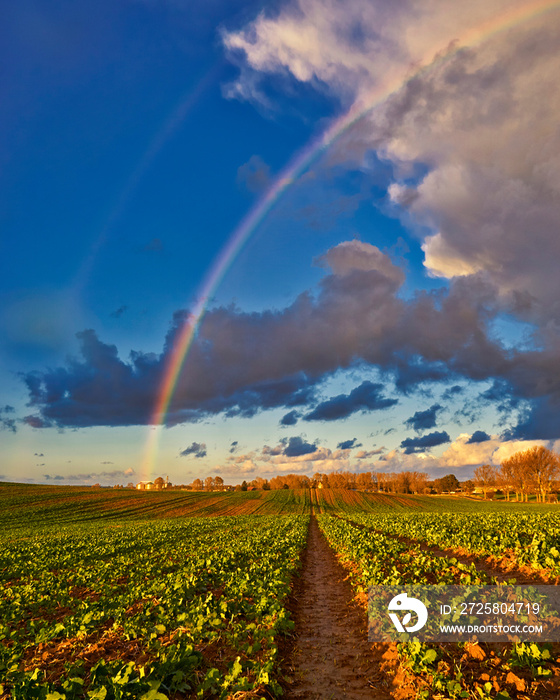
(483, 120)
(460, 453)
(507, 449)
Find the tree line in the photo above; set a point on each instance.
(532, 471)
(398, 482)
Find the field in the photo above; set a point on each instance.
(118, 594)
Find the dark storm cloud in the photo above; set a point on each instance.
(539, 419)
(348, 444)
(366, 397)
(424, 420)
(505, 397)
(197, 449)
(242, 363)
(290, 418)
(452, 392)
(420, 444)
(478, 436)
(297, 446)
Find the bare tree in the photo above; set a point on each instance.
(485, 478)
(506, 477)
(542, 467)
(363, 481)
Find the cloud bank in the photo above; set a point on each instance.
(242, 363)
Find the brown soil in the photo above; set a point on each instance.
(330, 656)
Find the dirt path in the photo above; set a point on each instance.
(331, 658)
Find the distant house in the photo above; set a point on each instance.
(145, 486)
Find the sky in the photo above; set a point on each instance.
(259, 238)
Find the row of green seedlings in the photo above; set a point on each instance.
(193, 607)
(456, 670)
(531, 538)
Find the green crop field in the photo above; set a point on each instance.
(118, 594)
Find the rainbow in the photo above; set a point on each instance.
(301, 161)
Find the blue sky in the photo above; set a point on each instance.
(397, 308)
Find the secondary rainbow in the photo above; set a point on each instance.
(287, 177)
(164, 134)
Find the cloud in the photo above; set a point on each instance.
(104, 476)
(364, 398)
(452, 392)
(395, 461)
(198, 449)
(478, 436)
(107, 462)
(233, 447)
(119, 312)
(474, 147)
(6, 422)
(420, 444)
(36, 422)
(254, 175)
(366, 454)
(348, 256)
(296, 447)
(38, 454)
(463, 452)
(423, 420)
(248, 467)
(290, 418)
(348, 444)
(506, 449)
(242, 363)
